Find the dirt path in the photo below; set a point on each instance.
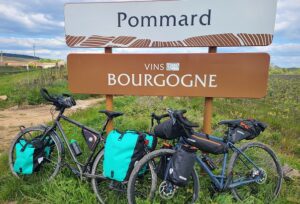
(12, 118)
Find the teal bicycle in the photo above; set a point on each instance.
(253, 169)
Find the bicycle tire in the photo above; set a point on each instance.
(145, 160)
(270, 152)
(58, 146)
(102, 196)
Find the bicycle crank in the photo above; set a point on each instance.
(167, 190)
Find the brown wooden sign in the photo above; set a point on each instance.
(210, 75)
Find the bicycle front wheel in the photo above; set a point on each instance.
(145, 186)
(107, 190)
(48, 165)
(268, 174)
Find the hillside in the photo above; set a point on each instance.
(17, 57)
(15, 63)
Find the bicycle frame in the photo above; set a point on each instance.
(222, 182)
(81, 168)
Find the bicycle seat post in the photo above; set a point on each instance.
(110, 116)
(105, 124)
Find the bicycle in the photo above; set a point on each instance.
(51, 166)
(253, 170)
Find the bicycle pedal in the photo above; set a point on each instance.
(75, 171)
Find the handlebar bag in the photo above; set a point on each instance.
(181, 165)
(122, 151)
(168, 131)
(206, 144)
(246, 129)
(30, 155)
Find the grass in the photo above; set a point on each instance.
(280, 109)
(24, 88)
(4, 70)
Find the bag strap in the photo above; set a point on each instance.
(24, 147)
(127, 131)
(121, 136)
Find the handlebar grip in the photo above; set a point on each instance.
(159, 117)
(184, 121)
(44, 92)
(179, 112)
(66, 95)
(164, 116)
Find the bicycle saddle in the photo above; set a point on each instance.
(229, 122)
(111, 114)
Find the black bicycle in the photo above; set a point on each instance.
(253, 169)
(52, 160)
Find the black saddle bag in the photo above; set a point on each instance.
(246, 129)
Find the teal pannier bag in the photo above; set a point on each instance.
(30, 155)
(123, 150)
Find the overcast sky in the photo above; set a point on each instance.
(41, 22)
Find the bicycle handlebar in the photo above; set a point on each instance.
(159, 117)
(60, 102)
(175, 115)
(179, 115)
(45, 94)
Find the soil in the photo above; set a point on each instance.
(11, 119)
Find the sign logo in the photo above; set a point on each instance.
(172, 66)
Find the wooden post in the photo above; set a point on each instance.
(109, 98)
(208, 105)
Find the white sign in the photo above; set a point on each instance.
(175, 23)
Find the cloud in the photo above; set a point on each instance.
(41, 22)
(20, 21)
(282, 54)
(287, 19)
(24, 43)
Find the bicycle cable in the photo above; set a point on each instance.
(52, 112)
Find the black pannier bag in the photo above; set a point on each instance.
(206, 144)
(181, 165)
(246, 129)
(168, 131)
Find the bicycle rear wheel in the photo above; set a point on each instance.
(150, 188)
(269, 175)
(49, 165)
